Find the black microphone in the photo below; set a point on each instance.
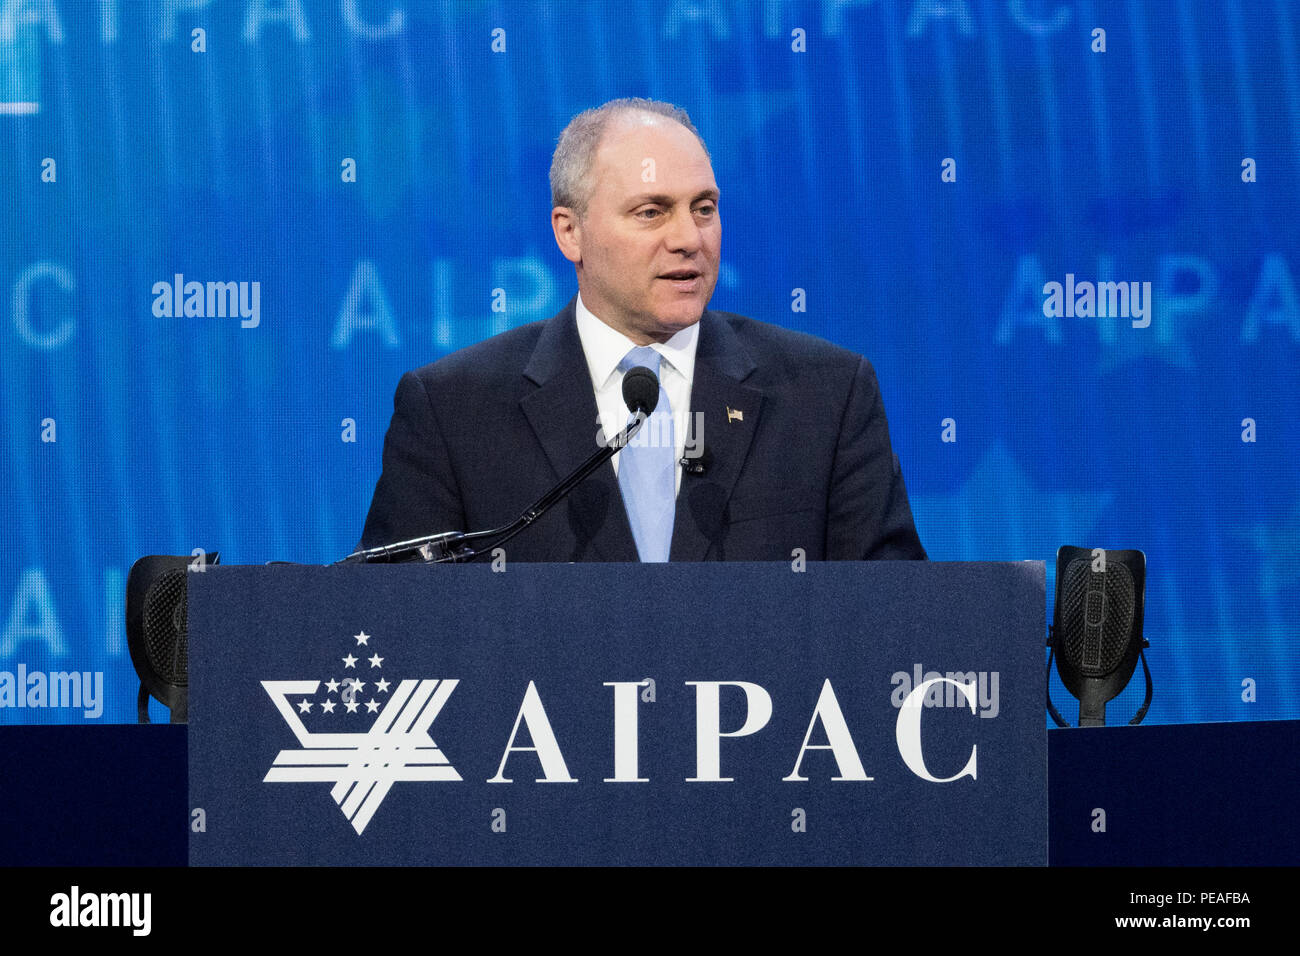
(1096, 634)
(697, 464)
(640, 393)
(157, 630)
(640, 390)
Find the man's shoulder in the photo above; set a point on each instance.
(766, 342)
(502, 356)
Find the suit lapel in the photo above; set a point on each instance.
(562, 413)
(721, 365)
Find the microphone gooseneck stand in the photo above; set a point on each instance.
(640, 393)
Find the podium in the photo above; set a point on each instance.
(1174, 795)
(845, 713)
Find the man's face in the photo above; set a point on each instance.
(647, 249)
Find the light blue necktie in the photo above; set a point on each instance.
(647, 474)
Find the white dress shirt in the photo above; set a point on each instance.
(605, 347)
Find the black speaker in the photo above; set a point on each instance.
(157, 630)
(1096, 633)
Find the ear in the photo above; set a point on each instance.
(568, 232)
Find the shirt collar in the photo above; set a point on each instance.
(605, 346)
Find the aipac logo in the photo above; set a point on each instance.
(20, 59)
(362, 764)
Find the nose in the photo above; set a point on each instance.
(684, 233)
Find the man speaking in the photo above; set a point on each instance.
(765, 444)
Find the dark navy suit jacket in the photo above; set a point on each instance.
(481, 434)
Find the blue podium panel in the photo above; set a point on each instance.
(1176, 795)
(882, 713)
(109, 795)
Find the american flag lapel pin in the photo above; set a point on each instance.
(734, 415)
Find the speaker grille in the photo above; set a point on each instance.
(166, 627)
(1097, 611)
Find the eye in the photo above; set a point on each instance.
(706, 210)
(650, 212)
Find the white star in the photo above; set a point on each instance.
(371, 706)
(305, 706)
(333, 685)
(376, 661)
(327, 707)
(357, 685)
(349, 661)
(351, 706)
(382, 687)
(362, 637)
(990, 525)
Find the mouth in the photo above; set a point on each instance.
(684, 280)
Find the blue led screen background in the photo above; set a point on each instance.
(129, 156)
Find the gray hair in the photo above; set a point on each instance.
(576, 149)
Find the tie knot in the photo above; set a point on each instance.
(641, 355)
